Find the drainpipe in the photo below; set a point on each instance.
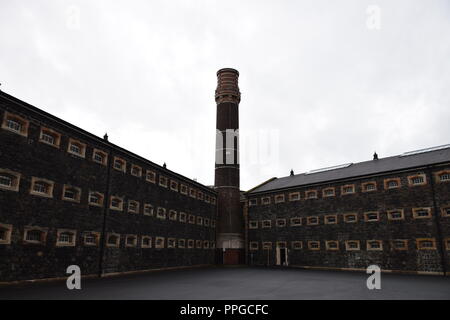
(105, 214)
(437, 222)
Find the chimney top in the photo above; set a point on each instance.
(375, 156)
(164, 165)
(105, 137)
(292, 172)
(227, 86)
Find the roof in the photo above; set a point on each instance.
(407, 160)
(99, 140)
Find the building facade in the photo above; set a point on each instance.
(392, 212)
(68, 197)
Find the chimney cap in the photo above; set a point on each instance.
(292, 172)
(164, 165)
(105, 137)
(375, 156)
(227, 70)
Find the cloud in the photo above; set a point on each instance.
(327, 89)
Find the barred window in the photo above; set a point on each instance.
(329, 192)
(172, 215)
(296, 221)
(253, 224)
(136, 171)
(120, 164)
(148, 209)
(161, 213)
(76, 148)
(369, 186)
(332, 245)
(150, 176)
(331, 219)
(50, 137)
(281, 222)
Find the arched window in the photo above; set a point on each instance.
(42, 187)
(15, 123)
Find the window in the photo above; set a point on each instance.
(184, 189)
(50, 137)
(252, 202)
(294, 196)
(71, 193)
(297, 245)
(181, 243)
(120, 164)
(200, 195)
(392, 183)
(182, 216)
(371, 216)
(348, 189)
(133, 206)
(159, 242)
(447, 243)
(130, 240)
(191, 219)
(213, 223)
(374, 245)
(311, 194)
(150, 176)
(420, 213)
(281, 223)
(95, 198)
(352, 245)
(445, 211)
(76, 148)
(173, 185)
(207, 198)
(399, 244)
(148, 209)
(161, 213)
(332, 245)
(279, 198)
(254, 245)
(190, 244)
(213, 200)
(206, 222)
(198, 244)
(192, 193)
(265, 200)
(41, 187)
(417, 180)
(426, 244)
(205, 244)
(314, 245)
(172, 215)
(136, 171)
(266, 224)
(328, 192)
(396, 214)
(15, 123)
(9, 180)
(91, 238)
(253, 224)
(331, 219)
(199, 221)
(163, 181)
(35, 235)
(65, 238)
(146, 242)
(369, 186)
(113, 240)
(267, 245)
(312, 220)
(116, 203)
(350, 217)
(296, 221)
(99, 157)
(443, 176)
(5, 233)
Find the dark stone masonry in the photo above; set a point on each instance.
(68, 197)
(60, 186)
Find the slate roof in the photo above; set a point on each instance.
(382, 165)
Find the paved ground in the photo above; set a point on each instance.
(240, 283)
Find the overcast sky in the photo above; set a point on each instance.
(323, 82)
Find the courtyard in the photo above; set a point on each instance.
(239, 283)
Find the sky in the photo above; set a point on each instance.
(323, 82)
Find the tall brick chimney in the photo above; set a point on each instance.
(230, 226)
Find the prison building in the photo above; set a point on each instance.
(393, 212)
(68, 197)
